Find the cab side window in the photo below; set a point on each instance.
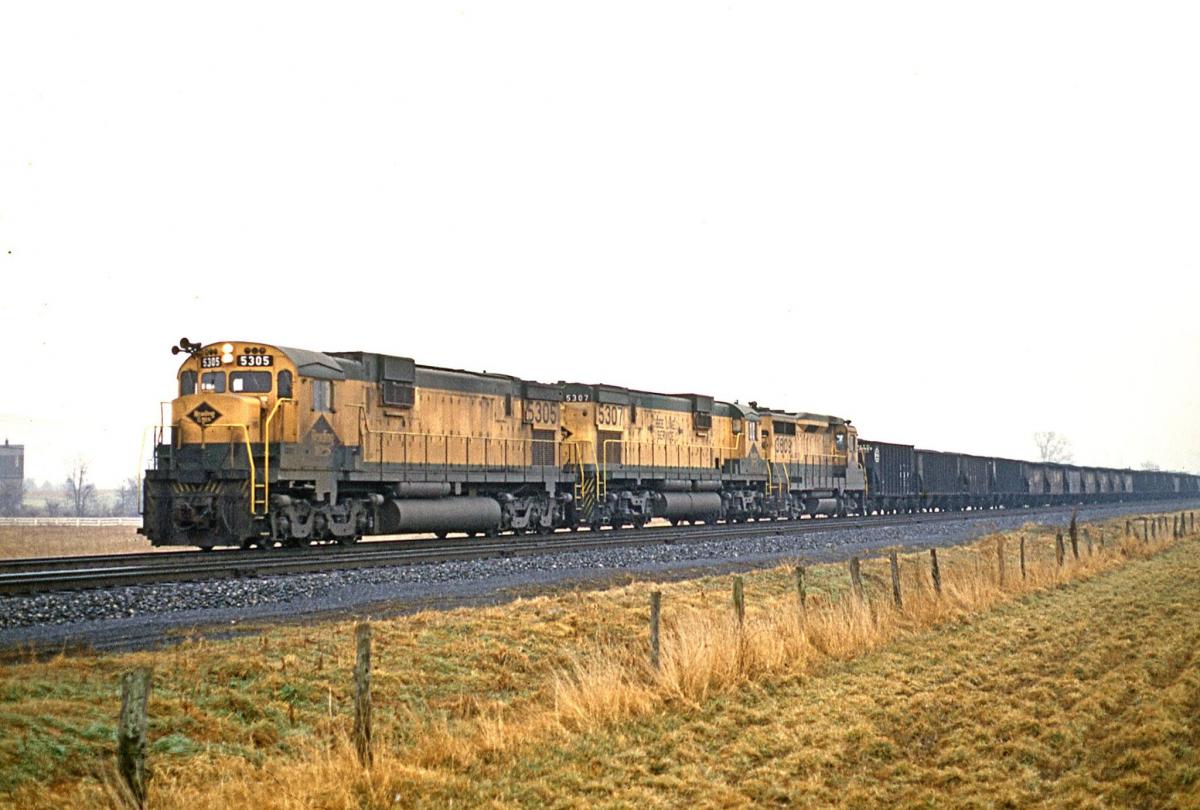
(187, 383)
(839, 440)
(285, 384)
(322, 396)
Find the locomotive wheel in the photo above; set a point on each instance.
(348, 541)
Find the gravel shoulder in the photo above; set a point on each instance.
(153, 615)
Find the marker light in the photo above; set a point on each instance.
(227, 358)
(227, 348)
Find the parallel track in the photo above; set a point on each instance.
(74, 573)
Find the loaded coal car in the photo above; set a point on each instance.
(948, 481)
(891, 473)
(1010, 487)
(939, 481)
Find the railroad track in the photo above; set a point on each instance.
(74, 573)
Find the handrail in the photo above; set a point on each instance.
(249, 454)
(708, 451)
(266, 437)
(141, 460)
(560, 447)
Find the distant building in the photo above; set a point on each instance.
(12, 477)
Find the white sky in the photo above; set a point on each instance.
(953, 224)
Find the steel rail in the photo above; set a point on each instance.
(73, 573)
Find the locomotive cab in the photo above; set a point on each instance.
(231, 392)
(211, 478)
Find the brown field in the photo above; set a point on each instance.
(1075, 686)
(69, 541)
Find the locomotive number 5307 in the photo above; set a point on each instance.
(610, 416)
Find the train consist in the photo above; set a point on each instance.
(271, 446)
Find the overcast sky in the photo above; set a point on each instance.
(954, 224)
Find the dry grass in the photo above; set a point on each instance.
(551, 700)
(67, 541)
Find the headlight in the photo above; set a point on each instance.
(227, 358)
(227, 348)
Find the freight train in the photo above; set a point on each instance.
(271, 446)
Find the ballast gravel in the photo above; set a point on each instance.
(144, 615)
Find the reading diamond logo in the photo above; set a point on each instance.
(204, 414)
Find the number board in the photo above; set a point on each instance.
(255, 360)
(577, 393)
(210, 361)
(540, 412)
(611, 416)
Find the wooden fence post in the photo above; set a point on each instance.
(739, 600)
(895, 563)
(1074, 532)
(1127, 524)
(1087, 539)
(362, 693)
(655, 612)
(1192, 520)
(856, 579)
(1000, 559)
(935, 571)
(1022, 558)
(131, 733)
(1059, 551)
(801, 596)
(1154, 529)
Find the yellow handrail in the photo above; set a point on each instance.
(446, 438)
(708, 451)
(266, 437)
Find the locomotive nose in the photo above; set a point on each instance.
(212, 417)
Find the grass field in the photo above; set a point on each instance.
(1076, 686)
(67, 541)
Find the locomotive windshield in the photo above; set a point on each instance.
(250, 382)
(213, 381)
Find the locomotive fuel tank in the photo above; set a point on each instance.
(414, 515)
(687, 505)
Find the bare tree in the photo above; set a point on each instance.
(80, 492)
(1052, 447)
(127, 499)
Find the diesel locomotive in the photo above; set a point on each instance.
(272, 446)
